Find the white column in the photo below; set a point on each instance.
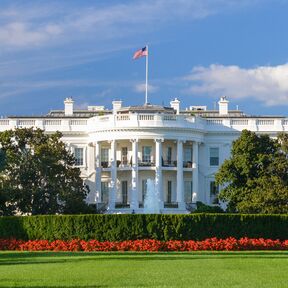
(113, 182)
(98, 171)
(158, 172)
(134, 191)
(195, 172)
(180, 180)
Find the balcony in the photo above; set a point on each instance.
(169, 163)
(146, 164)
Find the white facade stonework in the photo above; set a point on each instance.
(118, 150)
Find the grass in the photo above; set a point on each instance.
(198, 269)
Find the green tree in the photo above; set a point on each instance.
(255, 178)
(38, 176)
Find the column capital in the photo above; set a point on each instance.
(134, 140)
(181, 140)
(159, 140)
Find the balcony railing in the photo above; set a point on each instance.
(146, 164)
(169, 163)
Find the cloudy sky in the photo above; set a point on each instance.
(198, 51)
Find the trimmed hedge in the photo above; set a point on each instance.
(140, 226)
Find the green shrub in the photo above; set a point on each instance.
(196, 226)
(203, 208)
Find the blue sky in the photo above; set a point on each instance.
(198, 51)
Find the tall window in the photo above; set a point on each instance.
(169, 192)
(214, 191)
(124, 187)
(104, 157)
(124, 155)
(78, 153)
(214, 156)
(144, 189)
(169, 155)
(146, 154)
(188, 188)
(187, 156)
(104, 192)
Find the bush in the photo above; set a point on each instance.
(162, 227)
(203, 208)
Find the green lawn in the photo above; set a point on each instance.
(198, 269)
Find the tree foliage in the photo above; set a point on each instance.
(37, 174)
(255, 178)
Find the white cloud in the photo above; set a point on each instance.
(58, 22)
(142, 88)
(18, 34)
(267, 84)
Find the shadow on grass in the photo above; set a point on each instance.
(22, 258)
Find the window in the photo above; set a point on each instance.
(146, 154)
(214, 156)
(214, 191)
(169, 192)
(187, 157)
(78, 153)
(188, 188)
(124, 186)
(144, 189)
(104, 192)
(169, 155)
(104, 157)
(124, 153)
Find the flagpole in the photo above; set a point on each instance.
(146, 92)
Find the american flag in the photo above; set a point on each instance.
(140, 53)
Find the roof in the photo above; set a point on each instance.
(147, 108)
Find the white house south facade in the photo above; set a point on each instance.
(118, 150)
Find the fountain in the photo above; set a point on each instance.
(152, 199)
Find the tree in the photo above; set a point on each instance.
(255, 178)
(38, 176)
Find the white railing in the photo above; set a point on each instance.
(50, 122)
(26, 122)
(4, 122)
(214, 121)
(123, 117)
(242, 122)
(148, 120)
(78, 122)
(146, 117)
(265, 122)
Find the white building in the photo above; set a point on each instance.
(119, 150)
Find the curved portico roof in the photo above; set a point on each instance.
(147, 108)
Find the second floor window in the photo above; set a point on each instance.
(169, 155)
(78, 153)
(146, 154)
(124, 155)
(214, 156)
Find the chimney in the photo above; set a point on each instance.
(117, 104)
(175, 104)
(223, 106)
(68, 106)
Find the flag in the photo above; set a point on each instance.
(140, 53)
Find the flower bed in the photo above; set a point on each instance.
(211, 244)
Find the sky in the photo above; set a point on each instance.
(199, 50)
